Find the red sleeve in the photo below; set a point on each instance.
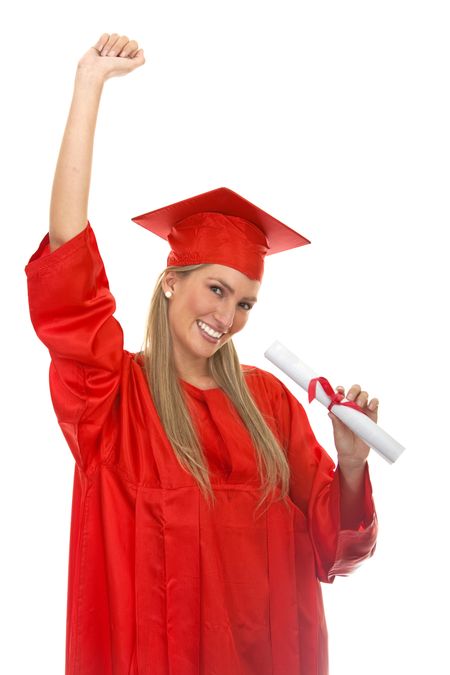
(315, 489)
(71, 309)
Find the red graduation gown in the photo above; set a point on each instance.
(158, 583)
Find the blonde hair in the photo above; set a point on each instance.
(169, 401)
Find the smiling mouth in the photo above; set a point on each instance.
(215, 335)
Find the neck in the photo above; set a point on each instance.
(192, 369)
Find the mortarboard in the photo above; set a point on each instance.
(222, 228)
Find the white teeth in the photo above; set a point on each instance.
(209, 330)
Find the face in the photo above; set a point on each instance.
(207, 308)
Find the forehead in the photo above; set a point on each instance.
(230, 276)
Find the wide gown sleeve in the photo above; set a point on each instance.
(315, 489)
(71, 309)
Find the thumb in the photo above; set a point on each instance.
(138, 59)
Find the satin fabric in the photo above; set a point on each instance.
(220, 239)
(159, 583)
(221, 227)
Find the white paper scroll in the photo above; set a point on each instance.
(357, 421)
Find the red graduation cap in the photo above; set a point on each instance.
(222, 228)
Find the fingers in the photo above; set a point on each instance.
(131, 49)
(108, 47)
(117, 45)
(101, 42)
(360, 397)
(374, 403)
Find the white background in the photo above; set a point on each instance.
(334, 118)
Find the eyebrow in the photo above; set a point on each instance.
(221, 281)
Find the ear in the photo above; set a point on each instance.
(169, 281)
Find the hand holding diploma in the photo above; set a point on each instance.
(352, 450)
(355, 431)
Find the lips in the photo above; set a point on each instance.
(209, 330)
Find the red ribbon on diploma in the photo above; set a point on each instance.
(336, 398)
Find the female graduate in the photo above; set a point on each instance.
(174, 566)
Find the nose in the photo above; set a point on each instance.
(224, 318)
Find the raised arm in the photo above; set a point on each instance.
(113, 55)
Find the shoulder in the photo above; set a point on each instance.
(273, 398)
(254, 375)
(265, 386)
(263, 383)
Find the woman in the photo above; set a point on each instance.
(174, 568)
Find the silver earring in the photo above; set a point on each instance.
(168, 294)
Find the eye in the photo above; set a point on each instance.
(218, 290)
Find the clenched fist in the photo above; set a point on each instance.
(113, 55)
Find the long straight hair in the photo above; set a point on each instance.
(169, 401)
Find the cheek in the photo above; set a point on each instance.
(183, 307)
(239, 322)
(198, 303)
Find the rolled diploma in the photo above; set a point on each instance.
(357, 421)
